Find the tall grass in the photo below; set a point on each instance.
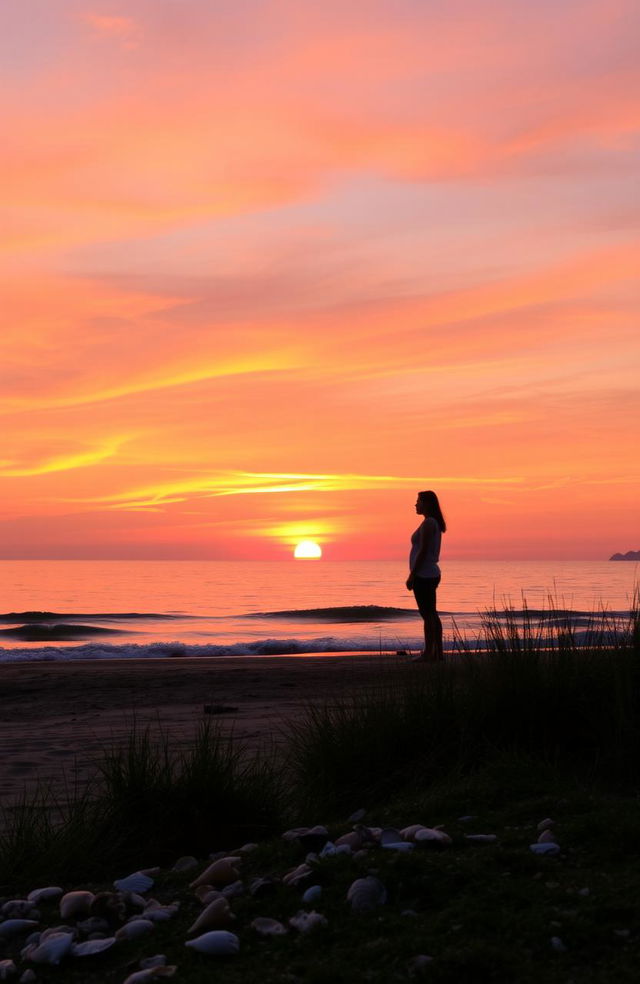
(536, 693)
(209, 793)
(150, 800)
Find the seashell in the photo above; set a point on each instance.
(546, 824)
(216, 915)
(135, 929)
(17, 909)
(549, 849)
(329, 850)
(357, 816)
(75, 905)
(420, 963)
(150, 974)
(404, 847)
(296, 875)
(547, 837)
(260, 887)
(7, 969)
(389, 836)
(268, 927)
(219, 874)
(353, 839)
(366, 893)
(186, 863)
(207, 893)
(51, 950)
(137, 882)
(431, 837)
(161, 913)
(133, 900)
(28, 977)
(13, 927)
(409, 833)
(159, 960)
(481, 838)
(312, 894)
(314, 838)
(306, 922)
(233, 890)
(53, 930)
(94, 924)
(91, 947)
(47, 894)
(217, 943)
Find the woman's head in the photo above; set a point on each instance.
(429, 506)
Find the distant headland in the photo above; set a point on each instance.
(629, 555)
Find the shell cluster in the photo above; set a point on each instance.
(87, 924)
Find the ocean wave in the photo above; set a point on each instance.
(346, 613)
(45, 632)
(35, 617)
(179, 650)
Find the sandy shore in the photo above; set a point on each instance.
(56, 717)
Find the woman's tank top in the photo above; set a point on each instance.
(429, 564)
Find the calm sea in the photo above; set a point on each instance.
(124, 609)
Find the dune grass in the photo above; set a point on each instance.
(536, 691)
(149, 800)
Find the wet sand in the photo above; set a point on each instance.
(55, 718)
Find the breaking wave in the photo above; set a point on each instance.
(179, 650)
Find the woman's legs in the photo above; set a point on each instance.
(424, 589)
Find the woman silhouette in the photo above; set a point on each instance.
(424, 573)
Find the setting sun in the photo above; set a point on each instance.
(307, 549)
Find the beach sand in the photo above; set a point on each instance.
(55, 718)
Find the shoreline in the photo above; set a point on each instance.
(57, 717)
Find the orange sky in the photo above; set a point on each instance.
(269, 268)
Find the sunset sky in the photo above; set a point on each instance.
(269, 268)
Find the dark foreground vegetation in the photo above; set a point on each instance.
(489, 744)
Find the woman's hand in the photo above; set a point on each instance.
(410, 582)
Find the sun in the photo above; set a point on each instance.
(307, 549)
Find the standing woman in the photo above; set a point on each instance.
(424, 573)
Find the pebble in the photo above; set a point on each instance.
(312, 894)
(558, 945)
(7, 969)
(548, 850)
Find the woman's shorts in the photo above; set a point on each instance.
(424, 590)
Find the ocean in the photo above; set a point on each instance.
(64, 610)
